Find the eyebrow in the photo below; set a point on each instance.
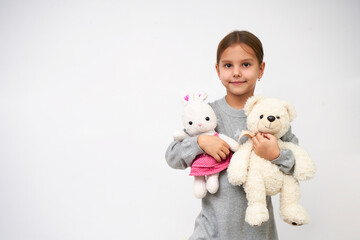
(242, 60)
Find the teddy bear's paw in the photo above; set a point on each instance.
(235, 176)
(295, 215)
(256, 214)
(304, 170)
(304, 175)
(236, 179)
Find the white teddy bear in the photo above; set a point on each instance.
(261, 178)
(199, 118)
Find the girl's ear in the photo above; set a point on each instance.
(262, 69)
(251, 102)
(290, 109)
(217, 70)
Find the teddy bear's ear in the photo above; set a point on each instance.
(251, 102)
(291, 110)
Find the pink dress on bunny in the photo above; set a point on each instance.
(205, 164)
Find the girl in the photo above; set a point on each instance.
(239, 64)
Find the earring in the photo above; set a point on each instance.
(259, 79)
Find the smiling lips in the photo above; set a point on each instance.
(237, 83)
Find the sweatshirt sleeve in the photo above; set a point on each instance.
(180, 155)
(286, 160)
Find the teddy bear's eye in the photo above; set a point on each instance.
(261, 116)
(190, 122)
(277, 117)
(207, 119)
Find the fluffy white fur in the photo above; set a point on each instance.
(199, 118)
(261, 178)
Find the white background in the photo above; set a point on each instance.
(90, 95)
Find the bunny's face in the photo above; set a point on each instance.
(198, 118)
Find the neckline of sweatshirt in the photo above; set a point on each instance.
(227, 109)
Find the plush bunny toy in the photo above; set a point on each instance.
(199, 118)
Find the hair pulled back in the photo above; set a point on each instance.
(237, 37)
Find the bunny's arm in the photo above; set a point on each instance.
(234, 146)
(180, 135)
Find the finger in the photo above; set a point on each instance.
(258, 137)
(217, 158)
(222, 155)
(226, 151)
(255, 141)
(226, 145)
(268, 136)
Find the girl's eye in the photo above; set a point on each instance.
(207, 119)
(190, 122)
(228, 65)
(246, 64)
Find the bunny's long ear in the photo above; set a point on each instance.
(251, 102)
(290, 109)
(188, 98)
(203, 96)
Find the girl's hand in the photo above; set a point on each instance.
(214, 146)
(265, 145)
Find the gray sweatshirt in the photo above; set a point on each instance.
(223, 214)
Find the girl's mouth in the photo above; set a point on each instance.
(237, 83)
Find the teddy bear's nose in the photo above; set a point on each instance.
(271, 118)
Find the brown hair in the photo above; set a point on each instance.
(237, 37)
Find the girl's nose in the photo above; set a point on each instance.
(237, 72)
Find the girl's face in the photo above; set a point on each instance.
(238, 70)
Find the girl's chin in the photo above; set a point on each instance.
(241, 93)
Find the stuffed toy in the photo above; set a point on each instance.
(261, 178)
(199, 118)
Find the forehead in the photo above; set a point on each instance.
(238, 51)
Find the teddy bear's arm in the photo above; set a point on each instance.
(239, 163)
(234, 146)
(304, 165)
